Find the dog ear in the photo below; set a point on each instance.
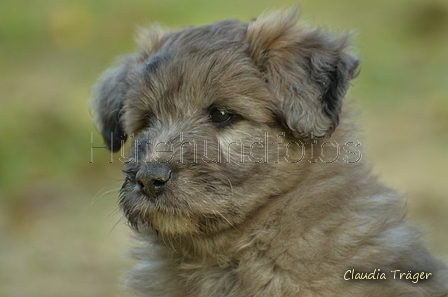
(107, 104)
(308, 69)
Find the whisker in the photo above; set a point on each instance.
(120, 220)
(216, 211)
(98, 195)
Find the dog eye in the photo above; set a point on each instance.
(220, 116)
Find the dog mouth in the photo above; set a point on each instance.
(156, 196)
(145, 192)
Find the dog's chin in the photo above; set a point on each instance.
(177, 224)
(171, 224)
(145, 215)
(168, 219)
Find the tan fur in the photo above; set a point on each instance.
(289, 204)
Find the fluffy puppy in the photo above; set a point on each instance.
(244, 176)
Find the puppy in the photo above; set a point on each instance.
(245, 177)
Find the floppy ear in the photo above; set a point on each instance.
(308, 69)
(107, 105)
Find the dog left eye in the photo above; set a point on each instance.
(220, 116)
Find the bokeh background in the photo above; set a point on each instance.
(60, 231)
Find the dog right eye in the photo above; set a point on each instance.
(219, 116)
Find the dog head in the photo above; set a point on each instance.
(199, 104)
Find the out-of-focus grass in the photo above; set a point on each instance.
(57, 211)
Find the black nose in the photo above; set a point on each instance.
(153, 177)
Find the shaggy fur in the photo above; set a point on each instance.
(244, 177)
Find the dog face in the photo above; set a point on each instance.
(203, 105)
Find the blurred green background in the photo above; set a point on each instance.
(60, 231)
